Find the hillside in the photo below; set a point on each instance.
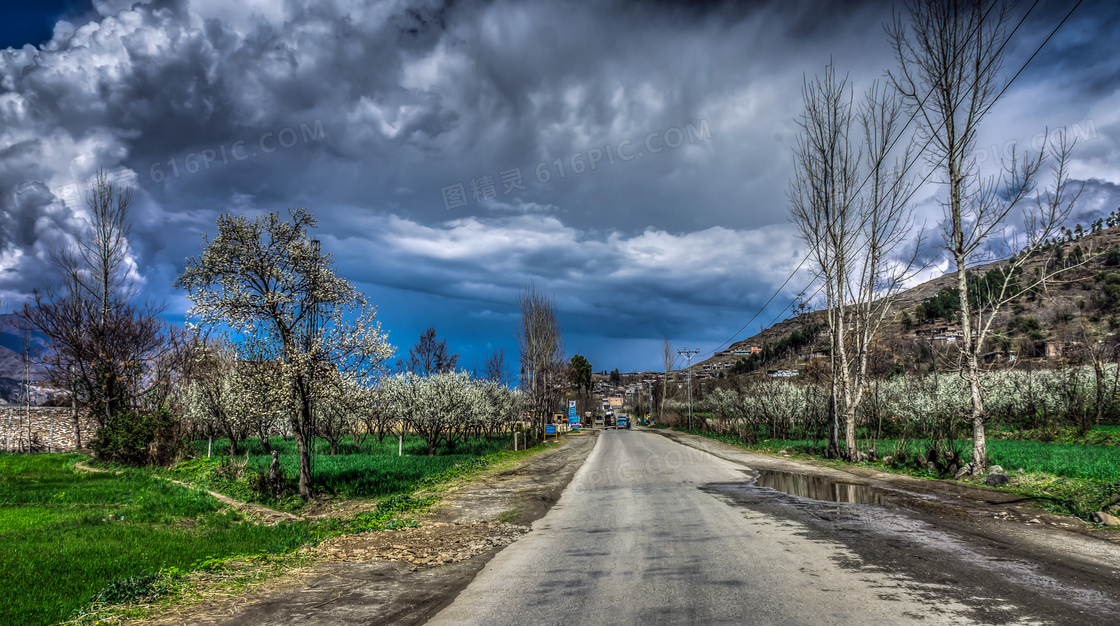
(1077, 304)
(11, 365)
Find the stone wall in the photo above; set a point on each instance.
(51, 429)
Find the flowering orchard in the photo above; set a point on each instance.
(449, 407)
(933, 406)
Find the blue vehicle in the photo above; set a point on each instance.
(623, 421)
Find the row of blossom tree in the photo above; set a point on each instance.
(932, 407)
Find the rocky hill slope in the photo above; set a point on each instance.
(1082, 301)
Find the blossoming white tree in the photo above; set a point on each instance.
(266, 280)
(449, 406)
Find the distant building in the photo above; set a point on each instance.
(749, 351)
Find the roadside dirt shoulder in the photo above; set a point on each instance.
(408, 575)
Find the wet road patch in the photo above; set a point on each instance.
(819, 488)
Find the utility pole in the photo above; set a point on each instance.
(688, 354)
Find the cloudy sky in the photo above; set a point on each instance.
(632, 158)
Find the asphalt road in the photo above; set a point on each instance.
(653, 532)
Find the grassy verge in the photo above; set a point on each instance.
(1068, 479)
(230, 576)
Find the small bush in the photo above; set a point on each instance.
(140, 439)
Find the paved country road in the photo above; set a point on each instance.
(653, 532)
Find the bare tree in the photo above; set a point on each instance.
(104, 249)
(431, 356)
(850, 207)
(112, 353)
(107, 361)
(825, 210)
(494, 368)
(542, 353)
(668, 360)
(950, 58)
(887, 227)
(24, 329)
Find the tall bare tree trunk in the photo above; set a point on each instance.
(950, 57)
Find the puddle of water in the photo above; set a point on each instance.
(819, 488)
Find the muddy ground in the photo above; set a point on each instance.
(408, 575)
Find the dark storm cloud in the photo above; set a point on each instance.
(413, 97)
(1098, 200)
(34, 226)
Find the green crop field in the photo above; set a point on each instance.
(65, 534)
(1060, 459)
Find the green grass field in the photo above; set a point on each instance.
(371, 471)
(65, 534)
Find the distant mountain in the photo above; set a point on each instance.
(11, 366)
(11, 350)
(10, 335)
